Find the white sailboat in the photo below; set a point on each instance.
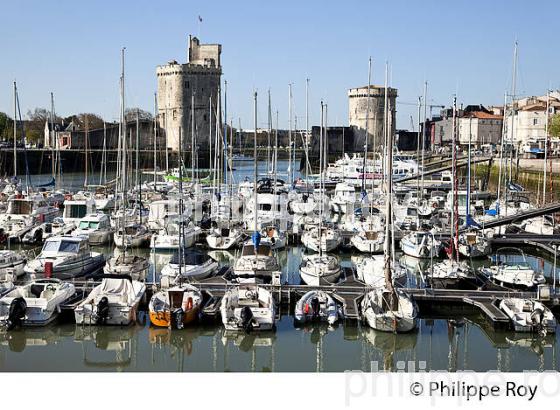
(387, 308)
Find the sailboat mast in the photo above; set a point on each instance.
(367, 130)
(15, 129)
(388, 209)
(268, 154)
(468, 204)
(545, 146)
(290, 165)
(307, 165)
(504, 121)
(155, 141)
(256, 207)
(192, 139)
(424, 136)
(418, 144)
(86, 149)
(51, 139)
(321, 204)
(454, 187)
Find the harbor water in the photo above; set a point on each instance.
(460, 340)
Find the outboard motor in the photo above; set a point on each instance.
(16, 313)
(102, 311)
(247, 319)
(177, 318)
(315, 307)
(537, 317)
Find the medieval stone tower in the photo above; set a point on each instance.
(178, 84)
(357, 108)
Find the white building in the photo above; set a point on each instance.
(483, 128)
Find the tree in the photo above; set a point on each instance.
(93, 121)
(554, 126)
(130, 114)
(35, 124)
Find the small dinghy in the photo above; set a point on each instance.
(175, 307)
(529, 315)
(113, 302)
(389, 311)
(35, 304)
(248, 308)
(317, 305)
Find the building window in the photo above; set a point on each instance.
(187, 84)
(535, 121)
(205, 118)
(174, 114)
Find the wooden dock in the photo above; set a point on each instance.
(348, 291)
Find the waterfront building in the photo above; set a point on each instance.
(357, 114)
(180, 84)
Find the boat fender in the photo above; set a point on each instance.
(189, 303)
(102, 311)
(306, 308)
(16, 313)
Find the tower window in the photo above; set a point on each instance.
(187, 85)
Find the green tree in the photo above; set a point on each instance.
(554, 126)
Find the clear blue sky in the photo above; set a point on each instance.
(464, 47)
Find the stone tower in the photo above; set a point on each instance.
(357, 107)
(177, 85)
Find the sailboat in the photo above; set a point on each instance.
(319, 268)
(387, 308)
(124, 263)
(257, 262)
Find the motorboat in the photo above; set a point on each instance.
(125, 263)
(317, 305)
(12, 263)
(324, 239)
(134, 235)
(175, 307)
(34, 304)
(388, 311)
(421, 244)
(528, 315)
(77, 207)
(195, 265)
(318, 269)
(47, 230)
(96, 228)
(25, 213)
(256, 264)
(113, 302)
(248, 308)
(474, 244)
(511, 270)
(224, 238)
(66, 257)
